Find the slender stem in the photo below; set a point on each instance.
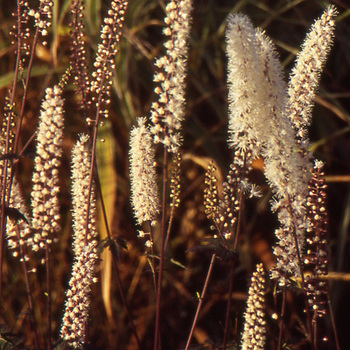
(333, 323)
(162, 250)
(29, 295)
(308, 316)
(300, 265)
(169, 227)
(151, 261)
(5, 164)
(2, 223)
(103, 85)
(200, 302)
(25, 92)
(233, 263)
(314, 322)
(229, 303)
(48, 291)
(115, 264)
(281, 320)
(7, 189)
(125, 302)
(20, 154)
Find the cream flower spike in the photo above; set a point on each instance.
(244, 77)
(305, 76)
(77, 305)
(144, 192)
(45, 205)
(167, 113)
(81, 164)
(255, 325)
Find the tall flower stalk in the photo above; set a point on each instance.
(74, 323)
(167, 113)
(301, 93)
(101, 81)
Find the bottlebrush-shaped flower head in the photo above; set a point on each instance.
(77, 305)
(255, 325)
(45, 204)
(84, 224)
(144, 191)
(168, 112)
(111, 31)
(305, 76)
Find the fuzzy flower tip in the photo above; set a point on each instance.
(168, 112)
(81, 166)
(144, 192)
(305, 75)
(244, 76)
(253, 337)
(45, 206)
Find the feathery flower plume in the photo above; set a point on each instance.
(305, 76)
(144, 192)
(168, 112)
(302, 88)
(77, 303)
(45, 206)
(287, 172)
(280, 150)
(81, 164)
(104, 64)
(258, 123)
(244, 80)
(254, 327)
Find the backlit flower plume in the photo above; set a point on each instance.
(302, 89)
(81, 163)
(168, 112)
(245, 82)
(305, 76)
(77, 304)
(259, 122)
(45, 206)
(75, 318)
(144, 192)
